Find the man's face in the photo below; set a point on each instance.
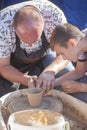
(69, 53)
(28, 34)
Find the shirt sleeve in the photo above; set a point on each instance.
(53, 16)
(82, 57)
(6, 44)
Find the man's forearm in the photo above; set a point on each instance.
(13, 75)
(57, 65)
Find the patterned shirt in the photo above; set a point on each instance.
(52, 16)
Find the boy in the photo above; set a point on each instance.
(71, 43)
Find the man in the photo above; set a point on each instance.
(24, 45)
(71, 43)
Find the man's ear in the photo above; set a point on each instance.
(72, 42)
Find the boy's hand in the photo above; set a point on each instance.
(71, 86)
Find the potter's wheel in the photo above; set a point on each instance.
(17, 101)
(48, 103)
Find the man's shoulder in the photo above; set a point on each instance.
(40, 4)
(12, 9)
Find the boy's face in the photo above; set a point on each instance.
(69, 53)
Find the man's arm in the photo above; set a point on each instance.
(12, 74)
(46, 79)
(79, 72)
(57, 65)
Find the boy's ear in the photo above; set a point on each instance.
(72, 42)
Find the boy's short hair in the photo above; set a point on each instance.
(62, 33)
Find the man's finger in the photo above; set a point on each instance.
(31, 83)
(39, 83)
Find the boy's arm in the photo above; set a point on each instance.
(74, 86)
(79, 72)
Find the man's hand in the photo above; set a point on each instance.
(71, 86)
(46, 80)
(32, 81)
